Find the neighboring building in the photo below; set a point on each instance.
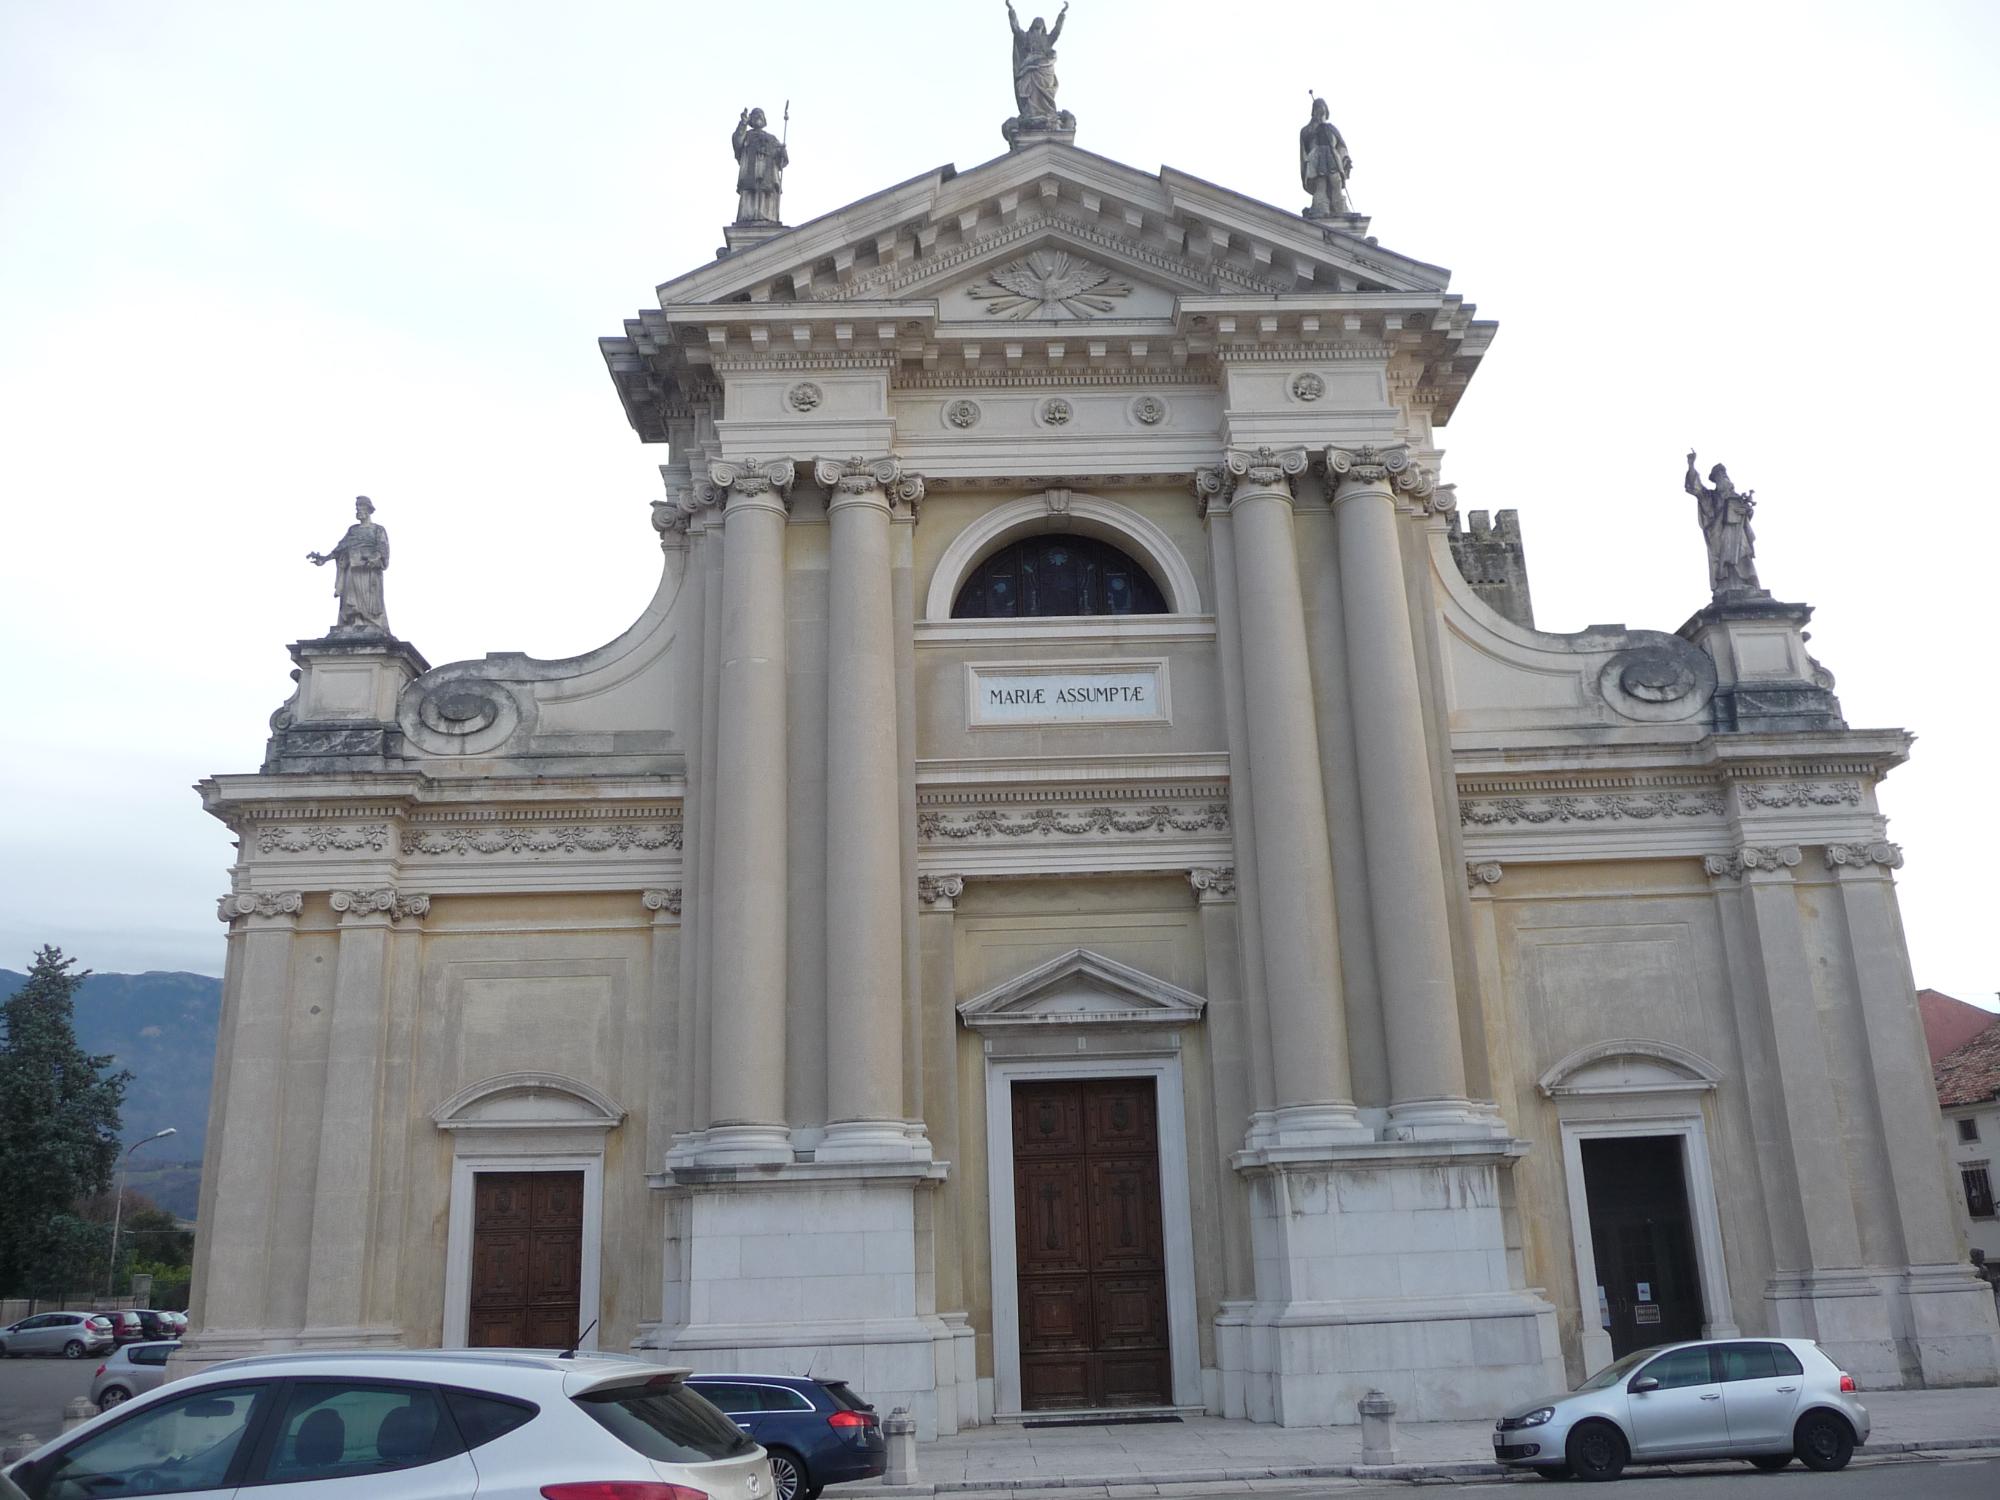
(1067, 896)
(1968, 1091)
(1949, 1022)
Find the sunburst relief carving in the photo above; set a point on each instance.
(1047, 283)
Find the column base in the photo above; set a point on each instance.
(1445, 1120)
(1954, 1326)
(733, 1145)
(817, 1267)
(1303, 1128)
(1849, 1314)
(873, 1141)
(1384, 1267)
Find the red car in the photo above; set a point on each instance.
(127, 1327)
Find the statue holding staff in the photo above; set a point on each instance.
(761, 159)
(1324, 164)
(1725, 513)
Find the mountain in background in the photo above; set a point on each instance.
(161, 1028)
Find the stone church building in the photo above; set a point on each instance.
(1085, 886)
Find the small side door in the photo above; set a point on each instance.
(1682, 1415)
(361, 1440)
(1760, 1391)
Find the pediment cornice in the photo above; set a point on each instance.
(1081, 988)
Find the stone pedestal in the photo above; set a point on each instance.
(342, 714)
(1766, 680)
(810, 1268)
(1382, 1268)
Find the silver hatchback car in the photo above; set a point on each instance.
(1767, 1401)
(70, 1334)
(131, 1370)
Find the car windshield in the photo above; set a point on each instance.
(1617, 1370)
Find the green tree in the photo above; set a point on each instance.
(59, 1116)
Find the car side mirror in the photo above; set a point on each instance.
(1643, 1383)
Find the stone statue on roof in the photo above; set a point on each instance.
(761, 160)
(1324, 164)
(1035, 76)
(1724, 513)
(360, 558)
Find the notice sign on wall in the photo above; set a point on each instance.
(1011, 693)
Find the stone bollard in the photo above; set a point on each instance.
(901, 1431)
(22, 1445)
(1378, 1428)
(79, 1410)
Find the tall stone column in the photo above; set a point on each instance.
(1406, 880)
(1313, 1100)
(239, 1178)
(343, 1243)
(864, 877)
(747, 1005)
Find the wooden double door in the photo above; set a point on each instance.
(1088, 1246)
(527, 1259)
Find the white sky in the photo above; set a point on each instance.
(258, 258)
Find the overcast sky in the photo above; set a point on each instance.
(258, 258)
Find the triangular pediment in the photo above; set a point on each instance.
(1194, 236)
(1081, 988)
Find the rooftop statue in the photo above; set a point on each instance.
(1725, 523)
(360, 558)
(1035, 76)
(761, 160)
(1324, 165)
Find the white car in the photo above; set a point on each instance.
(500, 1424)
(1766, 1401)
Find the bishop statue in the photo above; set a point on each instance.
(761, 160)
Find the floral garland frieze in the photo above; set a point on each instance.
(1615, 808)
(570, 838)
(323, 838)
(1046, 822)
(1788, 794)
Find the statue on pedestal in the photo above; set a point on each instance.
(360, 558)
(1725, 514)
(1324, 164)
(1035, 76)
(761, 160)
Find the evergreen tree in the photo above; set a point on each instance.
(58, 1124)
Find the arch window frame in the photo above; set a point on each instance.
(1087, 568)
(1063, 511)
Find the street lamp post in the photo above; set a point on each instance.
(118, 1204)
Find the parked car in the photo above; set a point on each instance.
(153, 1324)
(132, 1370)
(1765, 1400)
(818, 1432)
(512, 1424)
(127, 1327)
(70, 1334)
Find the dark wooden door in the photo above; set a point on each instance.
(1087, 1244)
(527, 1259)
(1643, 1237)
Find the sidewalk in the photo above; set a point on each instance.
(1131, 1460)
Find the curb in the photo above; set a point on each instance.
(1389, 1473)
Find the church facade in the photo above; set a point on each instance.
(1085, 886)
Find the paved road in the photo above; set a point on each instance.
(1882, 1480)
(34, 1389)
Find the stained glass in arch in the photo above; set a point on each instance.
(1059, 574)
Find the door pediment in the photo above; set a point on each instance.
(1082, 988)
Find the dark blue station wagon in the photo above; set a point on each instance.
(818, 1432)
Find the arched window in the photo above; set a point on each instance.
(1057, 575)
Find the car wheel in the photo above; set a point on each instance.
(1552, 1471)
(1770, 1463)
(112, 1396)
(788, 1476)
(73, 1349)
(1597, 1451)
(1824, 1441)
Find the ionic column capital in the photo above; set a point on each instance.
(1213, 883)
(869, 481)
(940, 892)
(1750, 860)
(1862, 857)
(1481, 875)
(383, 903)
(276, 905)
(1352, 472)
(753, 482)
(1244, 472)
(667, 900)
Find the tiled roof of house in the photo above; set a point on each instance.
(1949, 1022)
(1970, 1072)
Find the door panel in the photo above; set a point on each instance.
(1685, 1415)
(1088, 1244)
(527, 1259)
(1643, 1238)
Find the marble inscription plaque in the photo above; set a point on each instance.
(1124, 692)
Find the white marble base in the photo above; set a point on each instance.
(1954, 1328)
(1928, 1326)
(1383, 1267)
(817, 1268)
(1850, 1315)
